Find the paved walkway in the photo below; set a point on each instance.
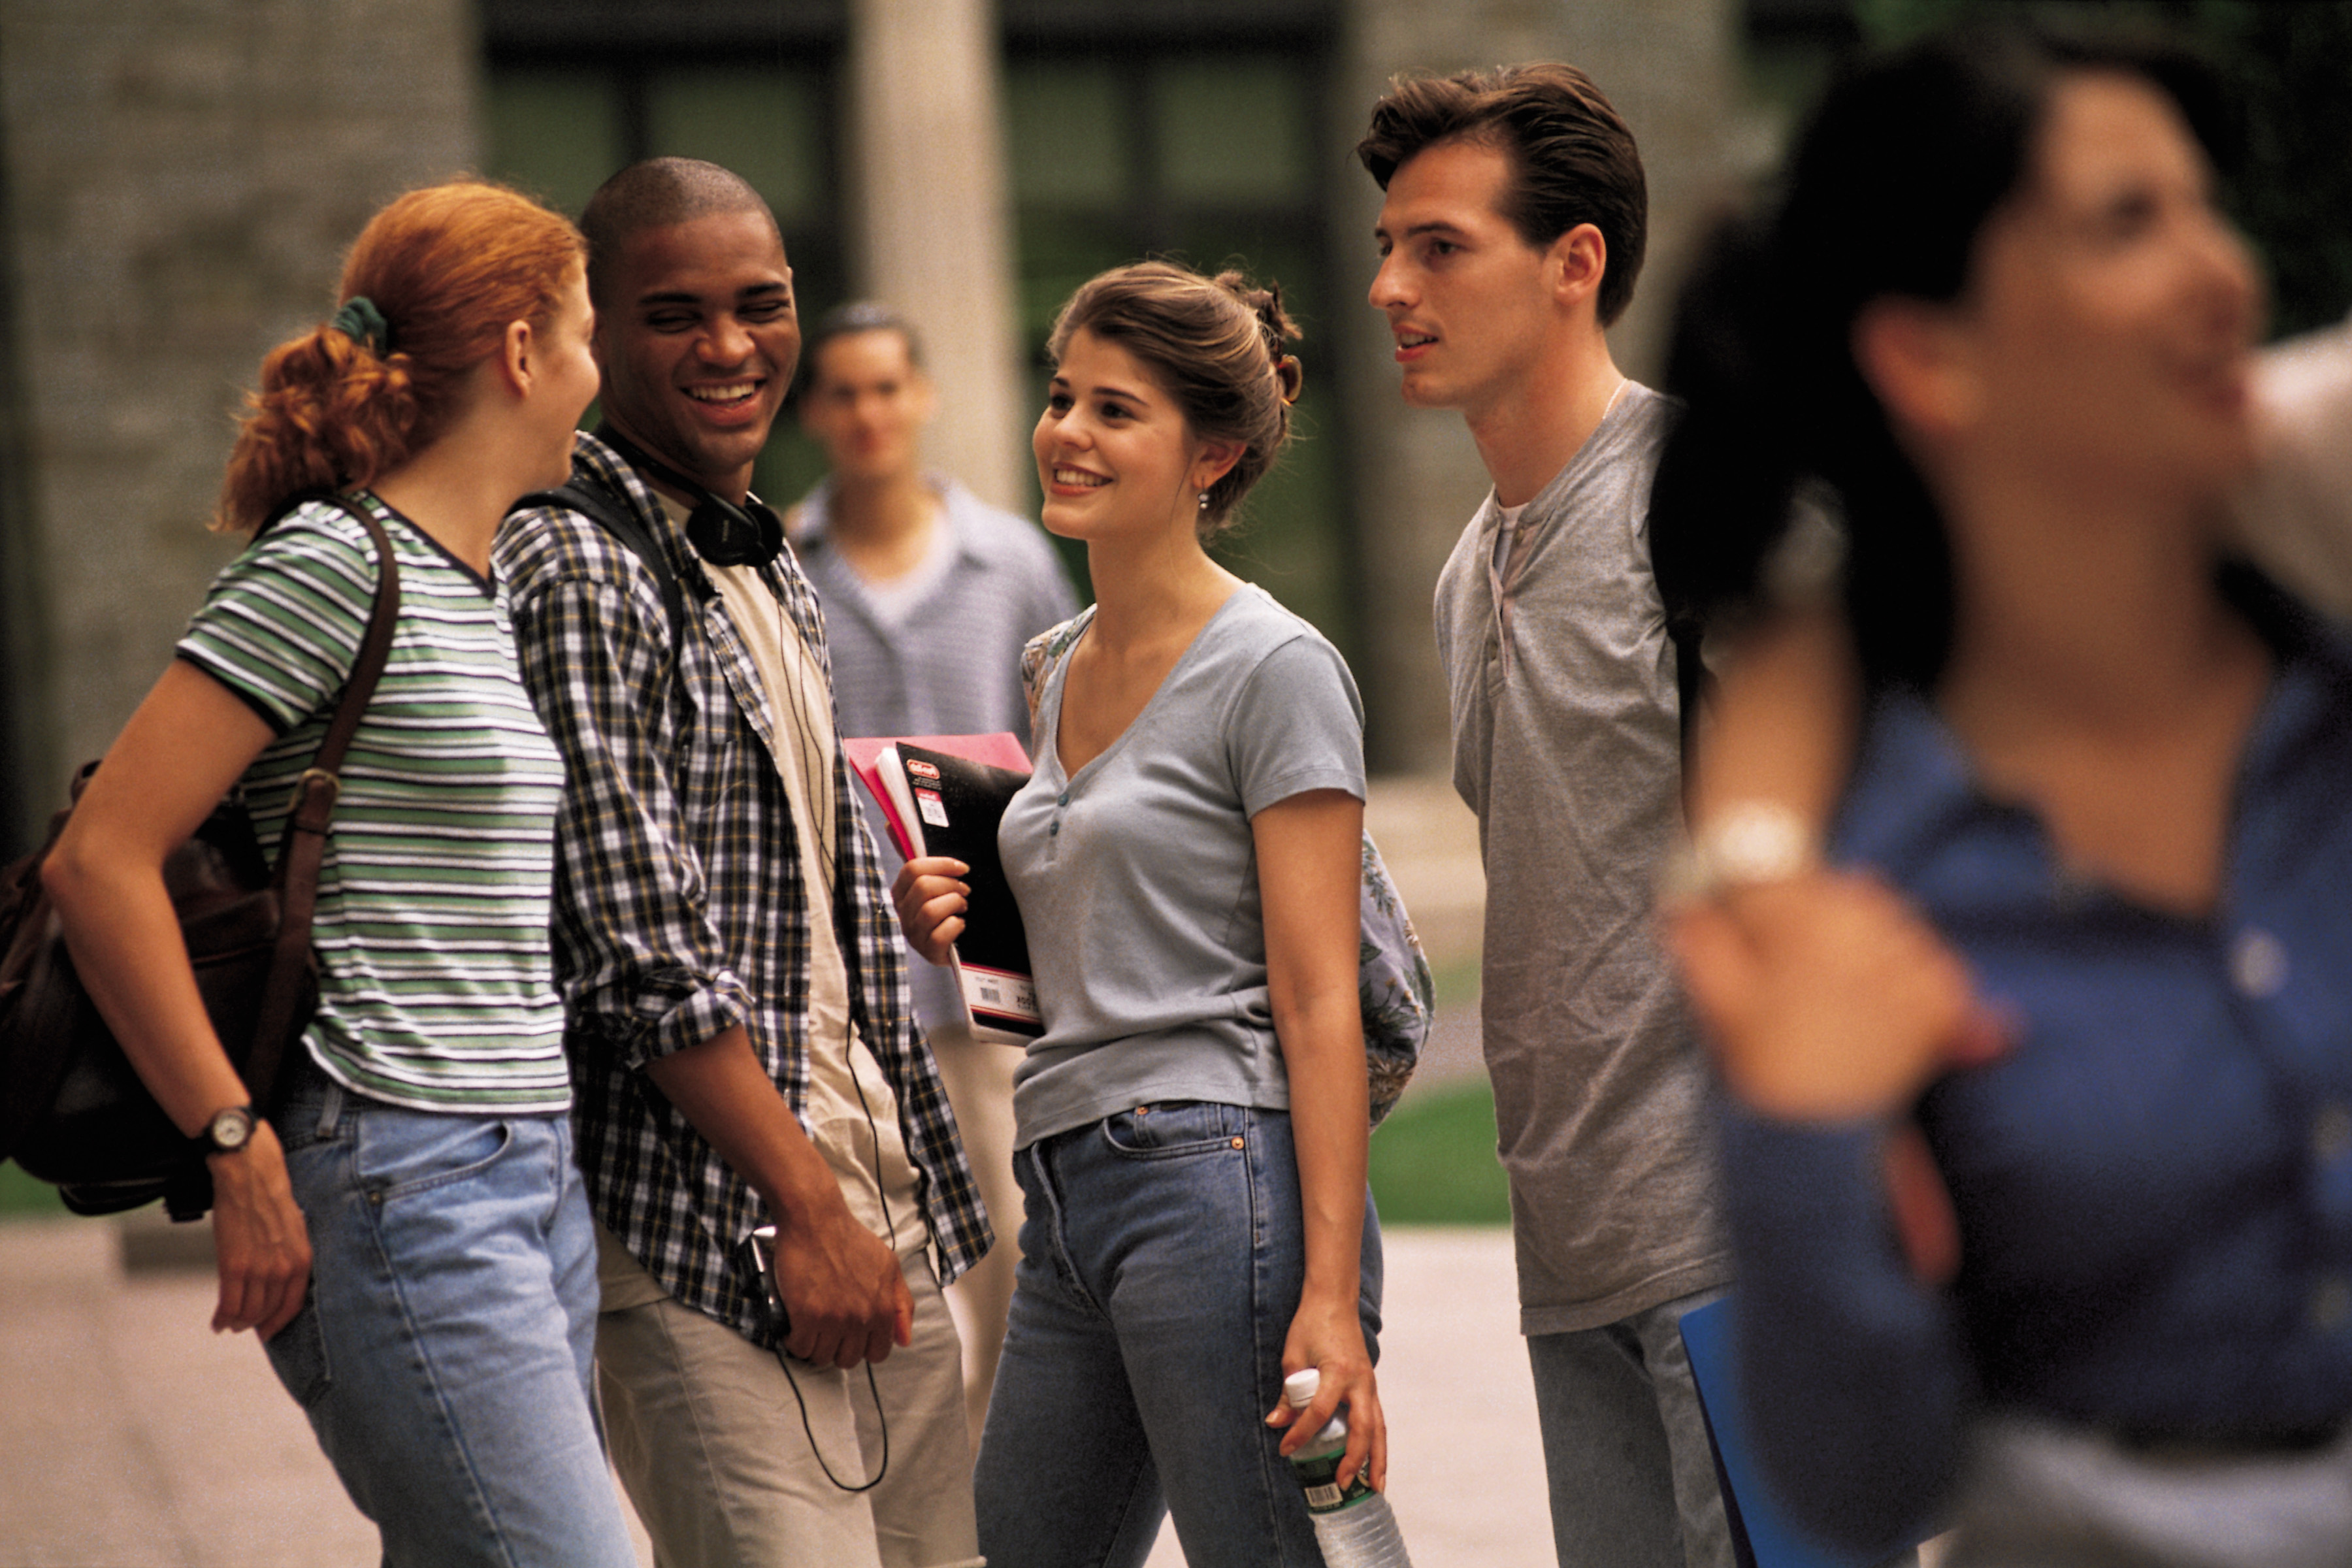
(131, 1436)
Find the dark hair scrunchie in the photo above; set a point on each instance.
(361, 321)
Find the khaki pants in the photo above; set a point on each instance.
(709, 1435)
(978, 1074)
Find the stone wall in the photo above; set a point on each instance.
(181, 177)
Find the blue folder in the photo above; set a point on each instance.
(1761, 1534)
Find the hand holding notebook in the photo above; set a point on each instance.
(943, 796)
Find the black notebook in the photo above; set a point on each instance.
(950, 805)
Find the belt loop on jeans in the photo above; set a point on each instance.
(330, 1107)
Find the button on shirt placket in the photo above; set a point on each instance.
(2260, 970)
(1505, 559)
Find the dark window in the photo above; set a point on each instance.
(1127, 138)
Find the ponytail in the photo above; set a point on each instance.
(1730, 467)
(1778, 419)
(329, 415)
(428, 292)
(1892, 181)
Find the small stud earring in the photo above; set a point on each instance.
(1204, 501)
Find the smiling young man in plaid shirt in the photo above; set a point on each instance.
(741, 1039)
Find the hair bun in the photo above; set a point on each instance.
(1265, 303)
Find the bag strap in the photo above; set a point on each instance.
(303, 847)
(588, 494)
(593, 498)
(1041, 654)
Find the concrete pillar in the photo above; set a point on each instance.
(931, 223)
(182, 177)
(1668, 66)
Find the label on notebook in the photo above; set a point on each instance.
(927, 804)
(997, 998)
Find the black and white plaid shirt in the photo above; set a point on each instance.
(680, 906)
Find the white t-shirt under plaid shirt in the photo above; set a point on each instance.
(436, 990)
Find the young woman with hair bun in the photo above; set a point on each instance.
(1191, 1128)
(404, 1226)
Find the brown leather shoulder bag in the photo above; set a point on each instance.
(73, 1112)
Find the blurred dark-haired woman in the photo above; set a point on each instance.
(2041, 1158)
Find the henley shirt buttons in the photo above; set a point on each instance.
(2258, 963)
(2331, 1304)
(2331, 1133)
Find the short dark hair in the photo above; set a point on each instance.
(658, 192)
(849, 321)
(1572, 159)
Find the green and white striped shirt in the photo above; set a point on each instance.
(436, 990)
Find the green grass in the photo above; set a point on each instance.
(1433, 1163)
(1433, 1160)
(23, 1197)
(1456, 983)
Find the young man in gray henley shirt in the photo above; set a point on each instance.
(1510, 238)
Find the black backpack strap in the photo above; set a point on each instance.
(589, 496)
(1692, 682)
(1686, 631)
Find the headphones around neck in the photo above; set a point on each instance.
(723, 533)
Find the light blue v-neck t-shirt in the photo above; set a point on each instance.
(1137, 878)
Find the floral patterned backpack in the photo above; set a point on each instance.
(1392, 980)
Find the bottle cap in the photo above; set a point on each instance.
(1298, 1390)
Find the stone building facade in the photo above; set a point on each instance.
(178, 179)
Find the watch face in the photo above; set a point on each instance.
(231, 1129)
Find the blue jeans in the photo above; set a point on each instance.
(1627, 1450)
(446, 1351)
(1161, 1257)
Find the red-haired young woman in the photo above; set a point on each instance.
(405, 1226)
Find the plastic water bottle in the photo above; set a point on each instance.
(1353, 1524)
